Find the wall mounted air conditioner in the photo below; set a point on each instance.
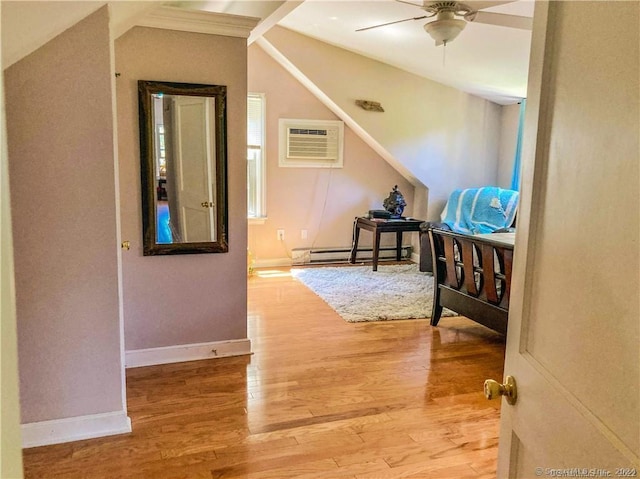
(311, 143)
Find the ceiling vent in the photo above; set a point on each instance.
(311, 143)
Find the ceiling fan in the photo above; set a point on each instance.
(446, 27)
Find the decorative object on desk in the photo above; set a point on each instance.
(370, 105)
(384, 214)
(395, 203)
(359, 294)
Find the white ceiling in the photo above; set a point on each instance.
(485, 60)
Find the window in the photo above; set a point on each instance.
(256, 164)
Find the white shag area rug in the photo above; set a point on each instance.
(359, 294)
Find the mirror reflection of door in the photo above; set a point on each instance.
(185, 212)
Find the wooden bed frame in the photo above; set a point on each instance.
(472, 276)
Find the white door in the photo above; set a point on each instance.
(194, 158)
(573, 344)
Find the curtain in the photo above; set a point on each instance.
(515, 178)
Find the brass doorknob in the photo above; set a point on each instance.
(493, 389)
(204, 204)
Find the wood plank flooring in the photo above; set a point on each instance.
(319, 398)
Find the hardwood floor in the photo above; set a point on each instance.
(319, 398)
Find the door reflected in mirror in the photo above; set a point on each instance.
(183, 152)
(185, 172)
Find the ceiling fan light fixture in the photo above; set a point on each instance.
(445, 30)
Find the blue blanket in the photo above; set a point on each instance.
(480, 210)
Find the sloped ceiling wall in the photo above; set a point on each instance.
(446, 139)
(26, 26)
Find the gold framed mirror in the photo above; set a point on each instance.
(183, 152)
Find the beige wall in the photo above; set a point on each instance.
(195, 298)
(322, 201)
(10, 438)
(508, 139)
(447, 139)
(61, 162)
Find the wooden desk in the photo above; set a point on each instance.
(377, 227)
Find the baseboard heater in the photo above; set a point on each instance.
(301, 256)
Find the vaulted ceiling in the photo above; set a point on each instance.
(485, 60)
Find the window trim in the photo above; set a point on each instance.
(261, 167)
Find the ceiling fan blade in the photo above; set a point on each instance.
(482, 4)
(391, 23)
(419, 5)
(503, 20)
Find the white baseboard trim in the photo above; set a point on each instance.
(272, 263)
(186, 352)
(76, 428)
(278, 262)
